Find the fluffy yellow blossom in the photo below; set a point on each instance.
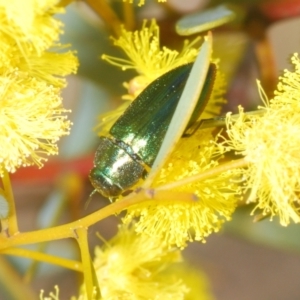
(133, 266)
(31, 24)
(31, 121)
(270, 144)
(177, 222)
(28, 41)
(31, 69)
(142, 2)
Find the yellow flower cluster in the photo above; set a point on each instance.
(176, 222)
(31, 111)
(131, 266)
(270, 144)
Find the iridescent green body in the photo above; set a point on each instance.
(124, 158)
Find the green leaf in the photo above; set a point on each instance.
(204, 20)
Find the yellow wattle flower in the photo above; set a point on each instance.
(270, 143)
(31, 121)
(31, 24)
(29, 41)
(133, 266)
(177, 222)
(31, 75)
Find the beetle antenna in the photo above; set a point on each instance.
(89, 199)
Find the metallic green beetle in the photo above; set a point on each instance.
(126, 156)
